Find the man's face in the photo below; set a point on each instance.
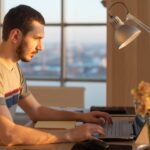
(31, 43)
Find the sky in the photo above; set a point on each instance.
(75, 11)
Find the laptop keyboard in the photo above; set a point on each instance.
(119, 128)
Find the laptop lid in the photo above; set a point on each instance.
(115, 110)
(138, 125)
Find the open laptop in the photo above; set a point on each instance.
(124, 129)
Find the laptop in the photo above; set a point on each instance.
(117, 110)
(123, 130)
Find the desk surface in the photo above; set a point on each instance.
(62, 146)
(68, 146)
(142, 139)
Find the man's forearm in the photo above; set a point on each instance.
(33, 136)
(45, 113)
(12, 134)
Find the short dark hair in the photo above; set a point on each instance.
(20, 17)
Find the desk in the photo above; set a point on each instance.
(62, 146)
(142, 139)
(66, 146)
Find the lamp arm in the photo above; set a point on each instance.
(139, 22)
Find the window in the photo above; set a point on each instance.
(74, 45)
(85, 52)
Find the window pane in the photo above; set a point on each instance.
(44, 83)
(86, 52)
(84, 11)
(1, 11)
(46, 64)
(97, 98)
(50, 9)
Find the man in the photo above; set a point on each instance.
(23, 31)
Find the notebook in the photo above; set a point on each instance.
(55, 124)
(124, 129)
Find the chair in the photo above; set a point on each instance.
(59, 96)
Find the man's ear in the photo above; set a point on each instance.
(15, 35)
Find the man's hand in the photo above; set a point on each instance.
(84, 132)
(96, 117)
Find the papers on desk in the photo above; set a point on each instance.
(55, 124)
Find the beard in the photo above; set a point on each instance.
(21, 51)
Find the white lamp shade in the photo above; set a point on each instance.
(125, 34)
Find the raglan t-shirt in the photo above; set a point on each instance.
(13, 86)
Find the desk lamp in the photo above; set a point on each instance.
(125, 33)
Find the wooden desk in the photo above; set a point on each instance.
(142, 139)
(66, 146)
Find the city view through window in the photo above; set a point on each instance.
(85, 58)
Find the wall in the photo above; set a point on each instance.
(127, 67)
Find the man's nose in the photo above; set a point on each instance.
(40, 46)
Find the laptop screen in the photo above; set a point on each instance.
(138, 124)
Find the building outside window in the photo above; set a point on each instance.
(74, 46)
